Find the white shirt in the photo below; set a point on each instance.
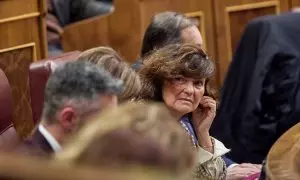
(50, 139)
(219, 150)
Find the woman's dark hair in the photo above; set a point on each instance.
(165, 28)
(173, 61)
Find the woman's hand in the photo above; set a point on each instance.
(202, 119)
(242, 171)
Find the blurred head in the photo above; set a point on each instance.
(134, 134)
(75, 91)
(44, 169)
(283, 159)
(169, 28)
(177, 75)
(108, 59)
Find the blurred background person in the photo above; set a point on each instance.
(168, 28)
(109, 59)
(74, 91)
(64, 12)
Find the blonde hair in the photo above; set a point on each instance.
(133, 134)
(38, 168)
(283, 160)
(109, 59)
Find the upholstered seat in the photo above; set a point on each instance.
(38, 75)
(8, 136)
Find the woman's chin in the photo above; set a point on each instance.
(184, 109)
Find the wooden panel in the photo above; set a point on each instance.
(15, 8)
(23, 39)
(237, 18)
(85, 34)
(231, 18)
(125, 28)
(12, 36)
(13, 60)
(294, 4)
(198, 18)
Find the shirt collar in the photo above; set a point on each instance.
(49, 138)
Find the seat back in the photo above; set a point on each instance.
(38, 75)
(8, 136)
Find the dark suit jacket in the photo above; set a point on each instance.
(261, 96)
(36, 145)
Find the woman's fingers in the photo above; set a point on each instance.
(208, 103)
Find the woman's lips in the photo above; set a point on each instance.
(186, 99)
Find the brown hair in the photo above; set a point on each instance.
(173, 61)
(108, 59)
(134, 134)
(283, 159)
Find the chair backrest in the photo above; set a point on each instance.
(8, 136)
(38, 75)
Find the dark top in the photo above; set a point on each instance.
(36, 145)
(260, 98)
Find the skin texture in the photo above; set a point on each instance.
(185, 95)
(241, 171)
(69, 119)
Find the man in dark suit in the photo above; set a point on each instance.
(74, 92)
(261, 95)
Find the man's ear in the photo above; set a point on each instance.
(68, 118)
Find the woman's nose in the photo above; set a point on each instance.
(189, 88)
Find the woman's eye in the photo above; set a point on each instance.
(179, 80)
(199, 83)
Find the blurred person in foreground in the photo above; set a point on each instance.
(29, 168)
(110, 60)
(132, 135)
(283, 159)
(74, 91)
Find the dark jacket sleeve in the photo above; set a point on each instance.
(83, 9)
(276, 101)
(227, 161)
(261, 97)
